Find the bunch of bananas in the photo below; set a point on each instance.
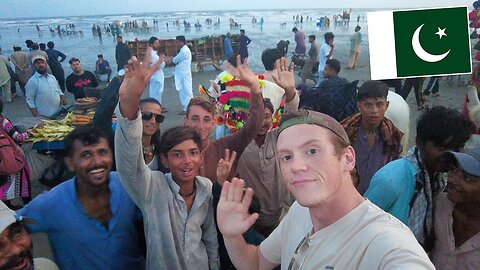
(53, 130)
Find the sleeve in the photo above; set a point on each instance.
(107, 63)
(400, 251)
(248, 40)
(69, 84)
(382, 191)
(94, 79)
(31, 92)
(293, 104)
(181, 56)
(12, 132)
(106, 107)
(209, 238)
(134, 174)
(325, 50)
(239, 140)
(62, 55)
(39, 211)
(271, 247)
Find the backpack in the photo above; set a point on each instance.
(339, 102)
(11, 158)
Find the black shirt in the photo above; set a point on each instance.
(77, 83)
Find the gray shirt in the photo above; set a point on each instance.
(176, 238)
(43, 93)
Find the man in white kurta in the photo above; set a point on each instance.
(183, 72)
(158, 78)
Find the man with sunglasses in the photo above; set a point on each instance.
(457, 215)
(331, 226)
(405, 187)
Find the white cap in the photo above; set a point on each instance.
(7, 217)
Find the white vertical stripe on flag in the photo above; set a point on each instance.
(381, 44)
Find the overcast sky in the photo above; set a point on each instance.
(54, 8)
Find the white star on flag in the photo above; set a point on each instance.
(441, 32)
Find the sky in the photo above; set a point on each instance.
(60, 8)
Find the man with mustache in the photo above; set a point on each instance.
(457, 219)
(43, 94)
(16, 245)
(90, 220)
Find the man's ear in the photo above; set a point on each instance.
(69, 162)
(388, 104)
(349, 158)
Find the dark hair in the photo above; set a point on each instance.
(328, 35)
(156, 136)
(17, 48)
(34, 46)
(312, 37)
(119, 36)
(333, 64)
(87, 135)
(150, 100)
(242, 31)
(267, 103)
(100, 56)
(1, 105)
(152, 40)
(372, 89)
(42, 46)
(50, 44)
(73, 59)
(269, 57)
(357, 28)
(176, 136)
(202, 102)
(181, 39)
(294, 29)
(439, 124)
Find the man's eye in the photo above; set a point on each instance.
(286, 158)
(312, 151)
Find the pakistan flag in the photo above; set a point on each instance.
(420, 42)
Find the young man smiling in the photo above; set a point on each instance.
(331, 226)
(177, 207)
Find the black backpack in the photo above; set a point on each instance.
(339, 102)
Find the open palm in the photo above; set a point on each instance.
(233, 218)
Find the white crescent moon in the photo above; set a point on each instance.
(421, 53)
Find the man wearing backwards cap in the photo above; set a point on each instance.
(43, 94)
(331, 226)
(16, 245)
(457, 215)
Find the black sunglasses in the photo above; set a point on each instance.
(148, 115)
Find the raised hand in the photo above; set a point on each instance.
(136, 79)
(233, 218)
(244, 73)
(284, 75)
(224, 166)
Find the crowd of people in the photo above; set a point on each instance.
(324, 187)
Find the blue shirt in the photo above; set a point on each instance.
(227, 47)
(104, 65)
(392, 188)
(81, 242)
(43, 93)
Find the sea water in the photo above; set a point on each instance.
(277, 26)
